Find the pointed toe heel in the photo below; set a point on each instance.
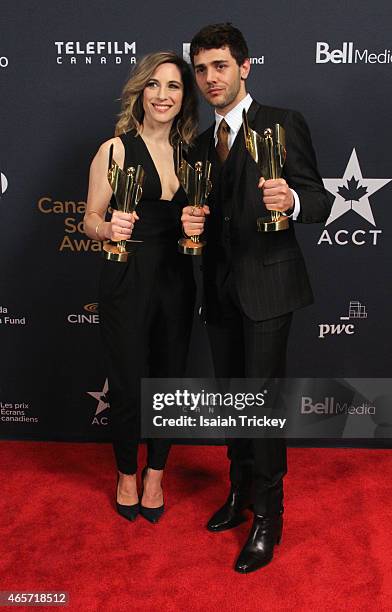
(152, 514)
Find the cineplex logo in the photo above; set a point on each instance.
(90, 316)
(3, 61)
(95, 52)
(102, 404)
(330, 405)
(348, 54)
(3, 183)
(352, 193)
(356, 311)
(186, 47)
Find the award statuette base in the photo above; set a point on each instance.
(266, 224)
(187, 246)
(117, 252)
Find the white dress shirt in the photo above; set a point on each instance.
(234, 121)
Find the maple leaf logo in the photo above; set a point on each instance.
(353, 192)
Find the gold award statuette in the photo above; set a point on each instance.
(127, 186)
(197, 186)
(269, 153)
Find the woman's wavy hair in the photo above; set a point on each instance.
(131, 116)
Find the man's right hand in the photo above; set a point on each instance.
(193, 219)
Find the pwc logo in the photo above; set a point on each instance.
(356, 311)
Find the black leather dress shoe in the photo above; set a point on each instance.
(232, 512)
(258, 551)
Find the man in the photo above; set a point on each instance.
(253, 281)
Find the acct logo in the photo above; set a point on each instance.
(186, 47)
(348, 54)
(356, 311)
(352, 193)
(102, 404)
(92, 316)
(3, 183)
(97, 52)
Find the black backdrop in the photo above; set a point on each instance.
(62, 68)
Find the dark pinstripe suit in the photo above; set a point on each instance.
(254, 281)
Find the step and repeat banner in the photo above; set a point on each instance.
(62, 69)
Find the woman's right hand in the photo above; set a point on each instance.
(120, 226)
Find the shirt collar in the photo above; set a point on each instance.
(234, 117)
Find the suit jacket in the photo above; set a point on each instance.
(268, 268)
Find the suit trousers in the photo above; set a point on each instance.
(242, 348)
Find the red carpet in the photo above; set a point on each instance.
(60, 532)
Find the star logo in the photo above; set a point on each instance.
(101, 397)
(352, 191)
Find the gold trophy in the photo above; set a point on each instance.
(127, 188)
(197, 186)
(269, 153)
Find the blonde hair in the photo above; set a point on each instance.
(131, 116)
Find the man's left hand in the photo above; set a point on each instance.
(277, 195)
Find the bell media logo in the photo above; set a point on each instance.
(356, 312)
(349, 54)
(352, 193)
(95, 52)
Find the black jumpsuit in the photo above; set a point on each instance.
(146, 311)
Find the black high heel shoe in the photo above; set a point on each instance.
(151, 514)
(128, 512)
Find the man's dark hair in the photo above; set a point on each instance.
(221, 35)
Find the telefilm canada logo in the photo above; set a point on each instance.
(352, 193)
(73, 238)
(186, 47)
(347, 53)
(95, 52)
(3, 61)
(3, 183)
(90, 315)
(101, 397)
(347, 325)
(9, 319)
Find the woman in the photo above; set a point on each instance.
(146, 304)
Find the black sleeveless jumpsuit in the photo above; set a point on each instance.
(146, 311)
